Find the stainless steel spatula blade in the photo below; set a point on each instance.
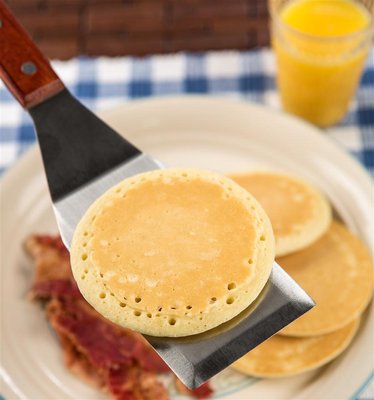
(195, 359)
(74, 187)
(83, 157)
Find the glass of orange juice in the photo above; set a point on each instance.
(321, 47)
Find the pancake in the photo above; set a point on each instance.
(282, 356)
(299, 213)
(173, 252)
(337, 272)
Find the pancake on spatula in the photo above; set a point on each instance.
(173, 252)
(337, 272)
(298, 212)
(282, 356)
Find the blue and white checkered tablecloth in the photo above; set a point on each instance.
(101, 83)
(104, 82)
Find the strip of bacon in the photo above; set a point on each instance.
(107, 350)
(113, 358)
(51, 258)
(57, 288)
(79, 365)
(202, 392)
(104, 344)
(146, 386)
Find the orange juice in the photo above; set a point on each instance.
(321, 47)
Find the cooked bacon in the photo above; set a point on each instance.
(104, 343)
(135, 384)
(94, 351)
(79, 365)
(112, 358)
(202, 392)
(54, 242)
(57, 288)
(51, 258)
(149, 360)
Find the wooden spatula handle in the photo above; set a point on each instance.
(23, 68)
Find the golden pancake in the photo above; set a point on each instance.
(337, 272)
(173, 252)
(282, 356)
(298, 212)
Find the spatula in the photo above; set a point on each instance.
(83, 157)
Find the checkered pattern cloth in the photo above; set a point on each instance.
(104, 82)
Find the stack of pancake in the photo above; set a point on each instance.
(331, 264)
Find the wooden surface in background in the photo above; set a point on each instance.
(66, 28)
(24, 70)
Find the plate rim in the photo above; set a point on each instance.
(104, 114)
(32, 152)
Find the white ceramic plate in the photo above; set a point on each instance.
(218, 134)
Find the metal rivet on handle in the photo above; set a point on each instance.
(28, 68)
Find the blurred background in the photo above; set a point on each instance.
(66, 28)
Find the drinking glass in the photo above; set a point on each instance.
(317, 75)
